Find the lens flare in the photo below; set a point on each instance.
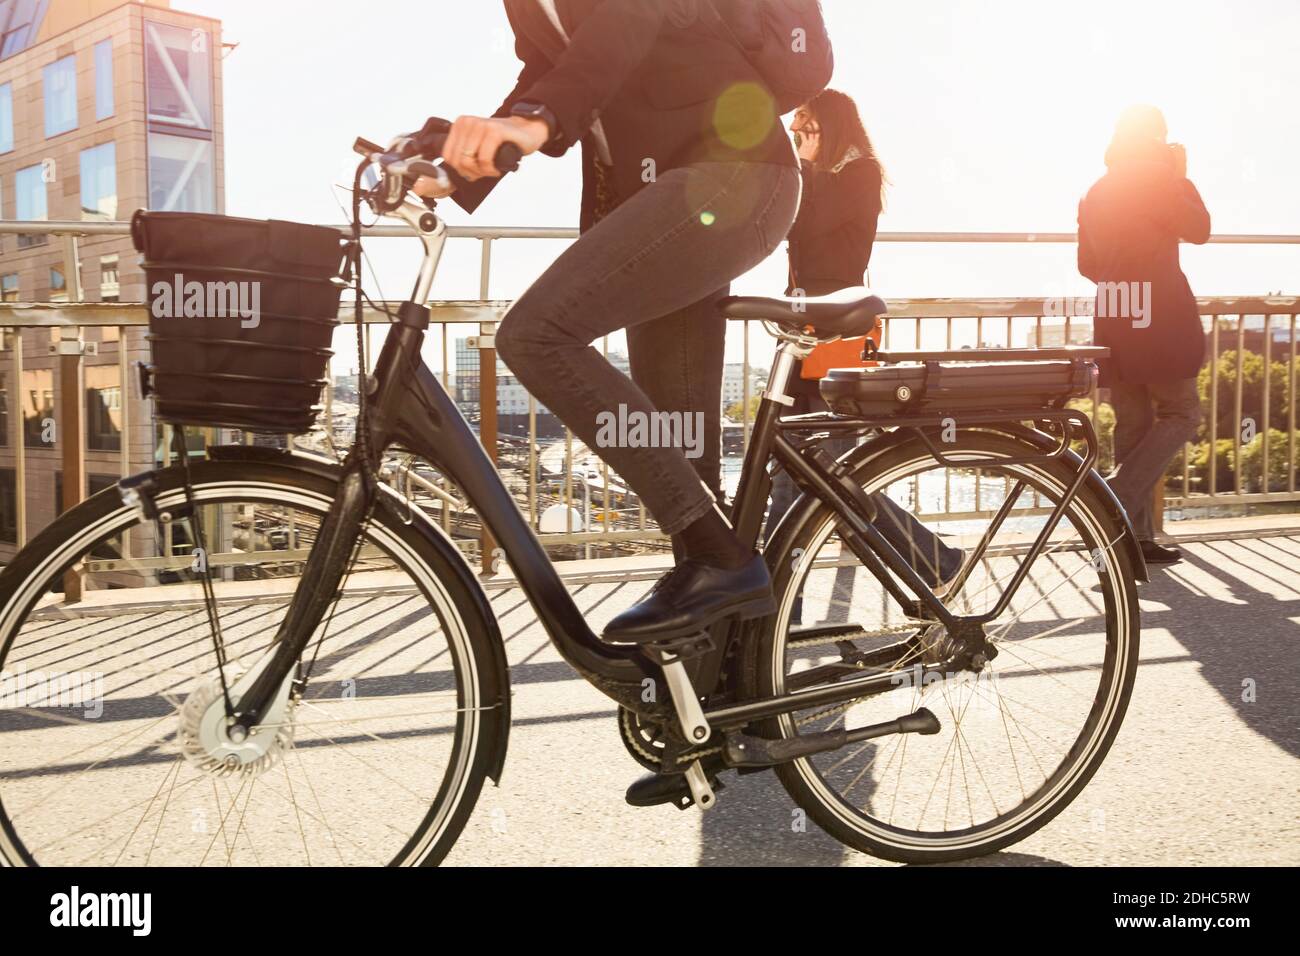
(744, 115)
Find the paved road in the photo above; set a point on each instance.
(1197, 776)
(1204, 771)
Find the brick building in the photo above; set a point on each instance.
(105, 107)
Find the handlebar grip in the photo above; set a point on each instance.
(428, 142)
(507, 158)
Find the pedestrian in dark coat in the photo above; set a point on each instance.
(1130, 224)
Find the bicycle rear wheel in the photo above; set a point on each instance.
(1020, 737)
(104, 759)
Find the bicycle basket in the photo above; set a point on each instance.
(241, 317)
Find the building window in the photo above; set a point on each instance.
(9, 287)
(38, 408)
(29, 204)
(61, 96)
(103, 408)
(99, 182)
(19, 20)
(180, 174)
(178, 80)
(178, 74)
(103, 79)
(109, 290)
(8, 506)
(6, 117)
(58, 285)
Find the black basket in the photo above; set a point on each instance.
(252, 355)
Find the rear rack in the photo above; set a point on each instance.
(1064, 353)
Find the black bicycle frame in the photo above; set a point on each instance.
(408, 407)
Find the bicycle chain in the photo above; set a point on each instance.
(847, 705)
(878, 632)
(889, 631)
(635, 742)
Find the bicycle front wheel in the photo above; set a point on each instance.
(1020, 735)
(110, 662)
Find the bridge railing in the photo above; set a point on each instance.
(1249, 388)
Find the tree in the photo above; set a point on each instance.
(735, 411)
(1103, 423)
(1252, 395)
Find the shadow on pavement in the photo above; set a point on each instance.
(1241, 635)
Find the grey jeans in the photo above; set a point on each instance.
(654, 266)
(1152, 422)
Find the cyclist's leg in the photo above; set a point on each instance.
(677, 360)
(666, 248)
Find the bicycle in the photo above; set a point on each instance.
(360, 641)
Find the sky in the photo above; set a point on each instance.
(988, 116)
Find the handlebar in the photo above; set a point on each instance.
(412, 156)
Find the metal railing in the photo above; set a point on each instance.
(936, 322)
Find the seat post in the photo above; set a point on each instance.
(791, 349)
(750, 502)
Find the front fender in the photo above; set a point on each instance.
(497, 680)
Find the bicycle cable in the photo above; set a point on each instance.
(205, 576)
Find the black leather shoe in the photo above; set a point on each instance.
(656, 789)
(691, 597)
(1156, 554)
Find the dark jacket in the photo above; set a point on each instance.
(832, 237)
(1130, 223)
(831, 240)
(667, 85)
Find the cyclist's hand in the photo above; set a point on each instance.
(430, 188)
(472, 146)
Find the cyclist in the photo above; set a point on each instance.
(688, 181)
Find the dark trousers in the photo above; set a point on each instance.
(654, 266)
(1152, 422)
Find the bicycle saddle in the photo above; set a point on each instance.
(846, 313)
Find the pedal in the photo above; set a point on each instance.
(690, 715)
(684, 648)
(656, 789)
(701, 792)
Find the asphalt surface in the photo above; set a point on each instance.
(1204, 770)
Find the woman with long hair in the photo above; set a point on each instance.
(843, 196)
(830, 249)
